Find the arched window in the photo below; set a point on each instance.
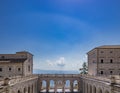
(18, 91)
(101, 60)
(111, 61)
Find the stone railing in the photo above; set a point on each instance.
(21, 79)
(98, 78)
(108, 79)
(1, 82)
(59, 75)
(117, 79)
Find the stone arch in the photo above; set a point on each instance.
(44, 85)
(106, 91)
(25, 90)
(87, 88)
(18, 91)
(94, 89)
(67, 85)
(13, 91)
(32, 88)
(52, 85)
(75, 85)
(100, 90)
(90, 88)
(28, 89)
(83, 87)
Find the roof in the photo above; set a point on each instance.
(106, 47)
(109, 46)
(24, 52)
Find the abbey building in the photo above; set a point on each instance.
(104, 60)
(16, 74)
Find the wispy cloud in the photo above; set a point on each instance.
(59, 62)
(49, 63)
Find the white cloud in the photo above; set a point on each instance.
(49, 63)
(61, 62)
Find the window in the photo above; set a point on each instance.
(101, 60)
(111, 61)
(111, 52)
(0, 69)
(10, 69)
(93, 61)
(101, 72)
(102, 52)
(28, 68)
(18, 91)
(19, 69)
(2, 57)
(111, 72)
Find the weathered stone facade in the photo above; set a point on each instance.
(19, 64)
(96, 84)
(59, 81)
(104, 60)
(16, 74)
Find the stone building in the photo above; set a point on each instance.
(16, 74)
(104, 60)
(19, 64)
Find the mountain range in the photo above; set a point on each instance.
(39, 71)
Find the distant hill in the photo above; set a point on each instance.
(39, 71)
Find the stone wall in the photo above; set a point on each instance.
(104, 61)
(92, 84)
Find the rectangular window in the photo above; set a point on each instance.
(29, 68)
(18, 69)
(2, 57)
(111, 72)
(101, 72)
(111, 51)
(101, 60)
(111, 61)
(102, 52)
(0, 69)
(10, 69)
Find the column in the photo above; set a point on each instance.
(79, 87)
(83, 87)
(55, 86)
(71, 86)
(39, 86)
(63, 90)
(48, 86)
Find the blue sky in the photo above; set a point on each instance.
(58, 32)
